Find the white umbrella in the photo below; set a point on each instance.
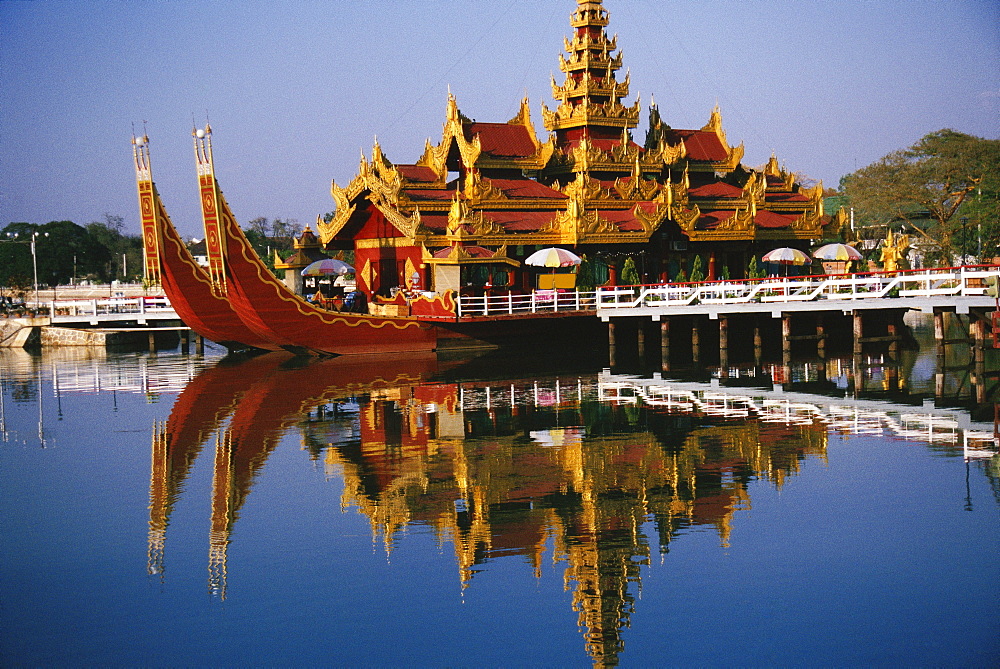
(786, 256)
(553, 257)
(326, 267)
(840, 252)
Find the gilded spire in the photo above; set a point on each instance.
(591, 95)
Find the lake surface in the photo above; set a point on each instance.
(170, 509)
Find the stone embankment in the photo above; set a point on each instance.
(36, 332)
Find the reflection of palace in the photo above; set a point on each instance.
(498, 479)
(606, 470)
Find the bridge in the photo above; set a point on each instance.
(98, 321)
(865, 308)
(960, 288)
(108, 311)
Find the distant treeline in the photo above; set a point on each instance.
(100, 252)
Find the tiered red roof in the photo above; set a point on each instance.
(716, 189)
(773, 221)
(701, 144)
(501, 140)
(417, 173)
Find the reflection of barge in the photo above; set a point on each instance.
(471, 209)
(512, 467)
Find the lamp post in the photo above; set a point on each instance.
(34, 255)
(965, 239)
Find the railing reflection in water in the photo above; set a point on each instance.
(598, 467)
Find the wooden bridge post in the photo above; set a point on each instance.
(724, 345)
(152, 342)
(694, 339)
(858, 333)
(185, 341)
(786, 339)
(199, 345)
(758, 345)
(640, 338)
(665, 344)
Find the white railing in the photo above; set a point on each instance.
(537, 301)
(108, 306)
(960, 281)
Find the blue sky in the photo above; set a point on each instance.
(296, 90)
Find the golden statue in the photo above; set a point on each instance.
(894, 250)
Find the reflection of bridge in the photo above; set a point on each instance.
(847, 415)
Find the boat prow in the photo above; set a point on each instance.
(275, 313)
(185, 283)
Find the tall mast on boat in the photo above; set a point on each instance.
(151, 240)
(210, 208)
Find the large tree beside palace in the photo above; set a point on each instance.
(944, 191)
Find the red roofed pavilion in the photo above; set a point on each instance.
(472, 207)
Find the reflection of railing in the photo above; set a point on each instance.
(130, 375)
(537, 301)
(933, 427)
(552, 392)
(952, 282)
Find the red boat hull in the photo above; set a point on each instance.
(274, 313)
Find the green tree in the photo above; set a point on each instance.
(630, 275)
(754, 270)
(267, 236)
(697, 273)
(585, 279)
(124, 252)
(62, 248)
(943, 190)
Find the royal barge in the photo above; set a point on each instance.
(440, 245)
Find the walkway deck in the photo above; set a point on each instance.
(958, 289)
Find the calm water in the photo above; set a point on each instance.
(177, 510)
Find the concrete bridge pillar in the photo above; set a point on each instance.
(858, 333)
(611, 343)
(786, 339)
(820, 337)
